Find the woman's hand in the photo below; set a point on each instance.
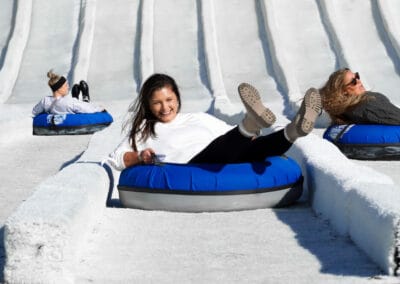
(146, 156)
(143, 157)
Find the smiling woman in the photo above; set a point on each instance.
(207, 165)
(164, 104)
(157, 128)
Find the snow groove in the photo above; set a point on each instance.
(391, 25)
(211, 51)
(284, 75)
(146, 46)
(7, 23)
(15, 49)
(84, 41)
(48, 46)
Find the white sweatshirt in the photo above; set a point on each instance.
(64, 105)
(177, 141)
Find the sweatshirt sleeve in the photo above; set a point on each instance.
(377, 109)
(38, 108)
(214, 124)
(116, 158)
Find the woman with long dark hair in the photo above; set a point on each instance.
(158, 129)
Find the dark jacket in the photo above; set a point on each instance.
(375, 109)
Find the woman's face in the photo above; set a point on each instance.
(63, 90)
(353, 85)
(164, 104)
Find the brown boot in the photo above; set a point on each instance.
(304, 121)
(257, 116)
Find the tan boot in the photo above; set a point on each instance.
(257, 116)
(304, 121)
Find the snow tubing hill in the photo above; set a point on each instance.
(70, 124)
(366, 141)
(276, 182)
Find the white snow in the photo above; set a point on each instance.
(62, 220)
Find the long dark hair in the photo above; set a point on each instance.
(143, 119)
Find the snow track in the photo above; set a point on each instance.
(282, 47)
(245, 37)
(53, 31)
(199, 248)
(184, 62)
(7, 14)
(13, 50)
(113, 72)
(369, 53)
(307, 48)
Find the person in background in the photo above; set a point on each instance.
(346, 101)
(159, 129)
(60, 103)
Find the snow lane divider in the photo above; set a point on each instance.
(43, 236)
(358, 201)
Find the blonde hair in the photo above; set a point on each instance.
(335, 100)
(53, 78)
(55, 81)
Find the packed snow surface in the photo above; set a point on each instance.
(61, 217)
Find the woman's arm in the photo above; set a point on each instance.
(124, 156)
(38, 108)
(116, 158)
(377, 109)
(214, 124)
(132, 158)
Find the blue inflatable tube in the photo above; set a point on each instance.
(366, 141)
(70, 124)
(276, 182)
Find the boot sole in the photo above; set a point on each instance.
(309, 111)
(251, 99)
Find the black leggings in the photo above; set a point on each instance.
(233, 147)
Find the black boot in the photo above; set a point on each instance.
(85, 91)
(75, 91)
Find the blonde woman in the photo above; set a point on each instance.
(346, 101)
(60, 103)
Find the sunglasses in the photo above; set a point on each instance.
(353, 81)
